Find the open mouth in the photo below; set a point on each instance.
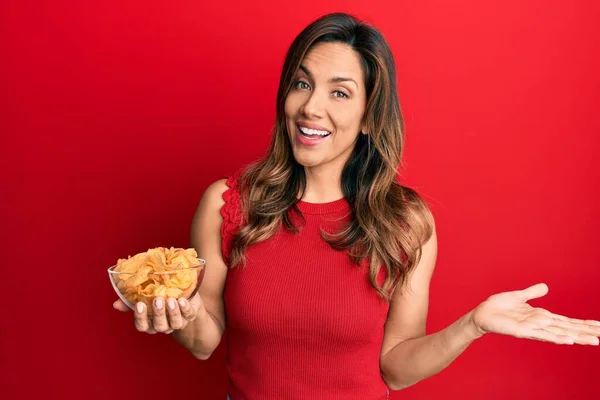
(313, 133)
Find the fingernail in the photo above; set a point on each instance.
(182, 302)
(159, 304)
(140, 307)
(171, 304)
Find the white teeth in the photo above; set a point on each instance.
(308, 131)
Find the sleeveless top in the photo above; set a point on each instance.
(303, 321)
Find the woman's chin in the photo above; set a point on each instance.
(307, 161)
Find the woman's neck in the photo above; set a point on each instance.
(323, 185)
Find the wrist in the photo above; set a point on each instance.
(470, 326)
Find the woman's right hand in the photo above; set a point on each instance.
(167, 316)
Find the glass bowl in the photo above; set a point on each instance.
(178, 282)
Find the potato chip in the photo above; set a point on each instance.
(173, 292)
(161, 271)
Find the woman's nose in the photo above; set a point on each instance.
(314, 106)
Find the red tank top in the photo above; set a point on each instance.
(303, 321)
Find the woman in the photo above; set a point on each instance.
(319, 261)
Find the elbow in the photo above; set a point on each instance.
(394, 384)
(397, 386)
(393, 381)
(201, 355)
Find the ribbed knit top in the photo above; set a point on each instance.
(303, 321)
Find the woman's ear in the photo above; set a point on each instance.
(363, 128)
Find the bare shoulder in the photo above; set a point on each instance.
(217, 188)
(213, 195)
(206, 224)
(210, 204)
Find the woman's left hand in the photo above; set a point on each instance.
(509, 314)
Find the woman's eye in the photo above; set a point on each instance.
(301, 85)
(340, 94)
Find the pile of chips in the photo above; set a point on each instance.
(157, 272)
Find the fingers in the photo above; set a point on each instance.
(546, 336)
(581, 327)
(576, 336)
(590, 322)
(119, 305)
(533, 292)
(187, 310)
(140, 319)
(159, 318)
(544, 318)
(174, 314)
(580, 331)
(166, 315)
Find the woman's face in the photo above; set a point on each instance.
(325, 107)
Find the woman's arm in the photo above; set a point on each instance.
(202, 336)
(416, 359)
(412, 360)
(407, 354)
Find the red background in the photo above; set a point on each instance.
(115, 117)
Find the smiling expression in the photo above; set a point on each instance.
(325, 106)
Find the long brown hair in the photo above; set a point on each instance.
(389, 222)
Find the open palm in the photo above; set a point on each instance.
(509, 314)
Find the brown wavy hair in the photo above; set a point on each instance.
(389, 222)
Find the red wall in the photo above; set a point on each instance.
(116, 116)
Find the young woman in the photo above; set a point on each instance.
(318, 260)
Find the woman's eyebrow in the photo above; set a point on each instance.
(335, 79)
